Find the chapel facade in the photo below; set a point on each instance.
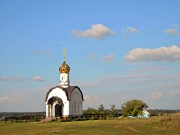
(64, 100)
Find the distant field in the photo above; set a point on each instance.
(123, 126)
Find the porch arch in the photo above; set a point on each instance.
(55, 107)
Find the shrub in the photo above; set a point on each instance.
(169, 121)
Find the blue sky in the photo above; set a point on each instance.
(117, 50)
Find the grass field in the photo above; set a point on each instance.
(156, 125)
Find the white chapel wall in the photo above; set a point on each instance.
(64, 80)
(61, 94)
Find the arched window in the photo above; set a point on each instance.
(72, 108)
(75, 107)
(78, 108)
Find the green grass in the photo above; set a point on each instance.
(121, 126)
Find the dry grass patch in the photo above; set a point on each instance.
(168, 121)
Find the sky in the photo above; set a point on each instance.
(118, 50)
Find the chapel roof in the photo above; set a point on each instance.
(68, 91)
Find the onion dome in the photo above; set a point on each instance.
(64, 68)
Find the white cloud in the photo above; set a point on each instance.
(18, 79)
(109, 58)
(89, 98)
(37, 78)
(12, 97)
(113, 80)
(132, 29)
(177, 85)
(104, 81)
(86, 97)
(90, 101)
(89, 84)
(172, 31)
(171, 53)
(92, 57)
(175, 92)
(97, 31)
(12, 79)
(129, 30)
(156, 95)
(3, 99)
(42, 52)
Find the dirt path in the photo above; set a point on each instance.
(132, 129)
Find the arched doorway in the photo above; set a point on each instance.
(58, 110)
(55, 107)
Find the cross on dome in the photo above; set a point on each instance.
(64, 68)
(64, 52)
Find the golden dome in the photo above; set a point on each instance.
(64, 68)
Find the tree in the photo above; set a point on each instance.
(112, 110)
(101, 109)
(133, 107)
(90, 111)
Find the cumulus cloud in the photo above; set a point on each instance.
(172, 31)
(12, 79)
(129, 30)
(109, 58)
(96, 31)
(37, 78)
(170, 54)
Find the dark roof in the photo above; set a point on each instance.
(68, 91)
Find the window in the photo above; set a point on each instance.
(72, 108)
(75, 107)
(78, 108)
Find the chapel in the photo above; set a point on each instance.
(64, 100)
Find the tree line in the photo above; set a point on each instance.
(112, 112)
(130, 108)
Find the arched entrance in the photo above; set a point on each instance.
(55, 107)
(58, 110)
